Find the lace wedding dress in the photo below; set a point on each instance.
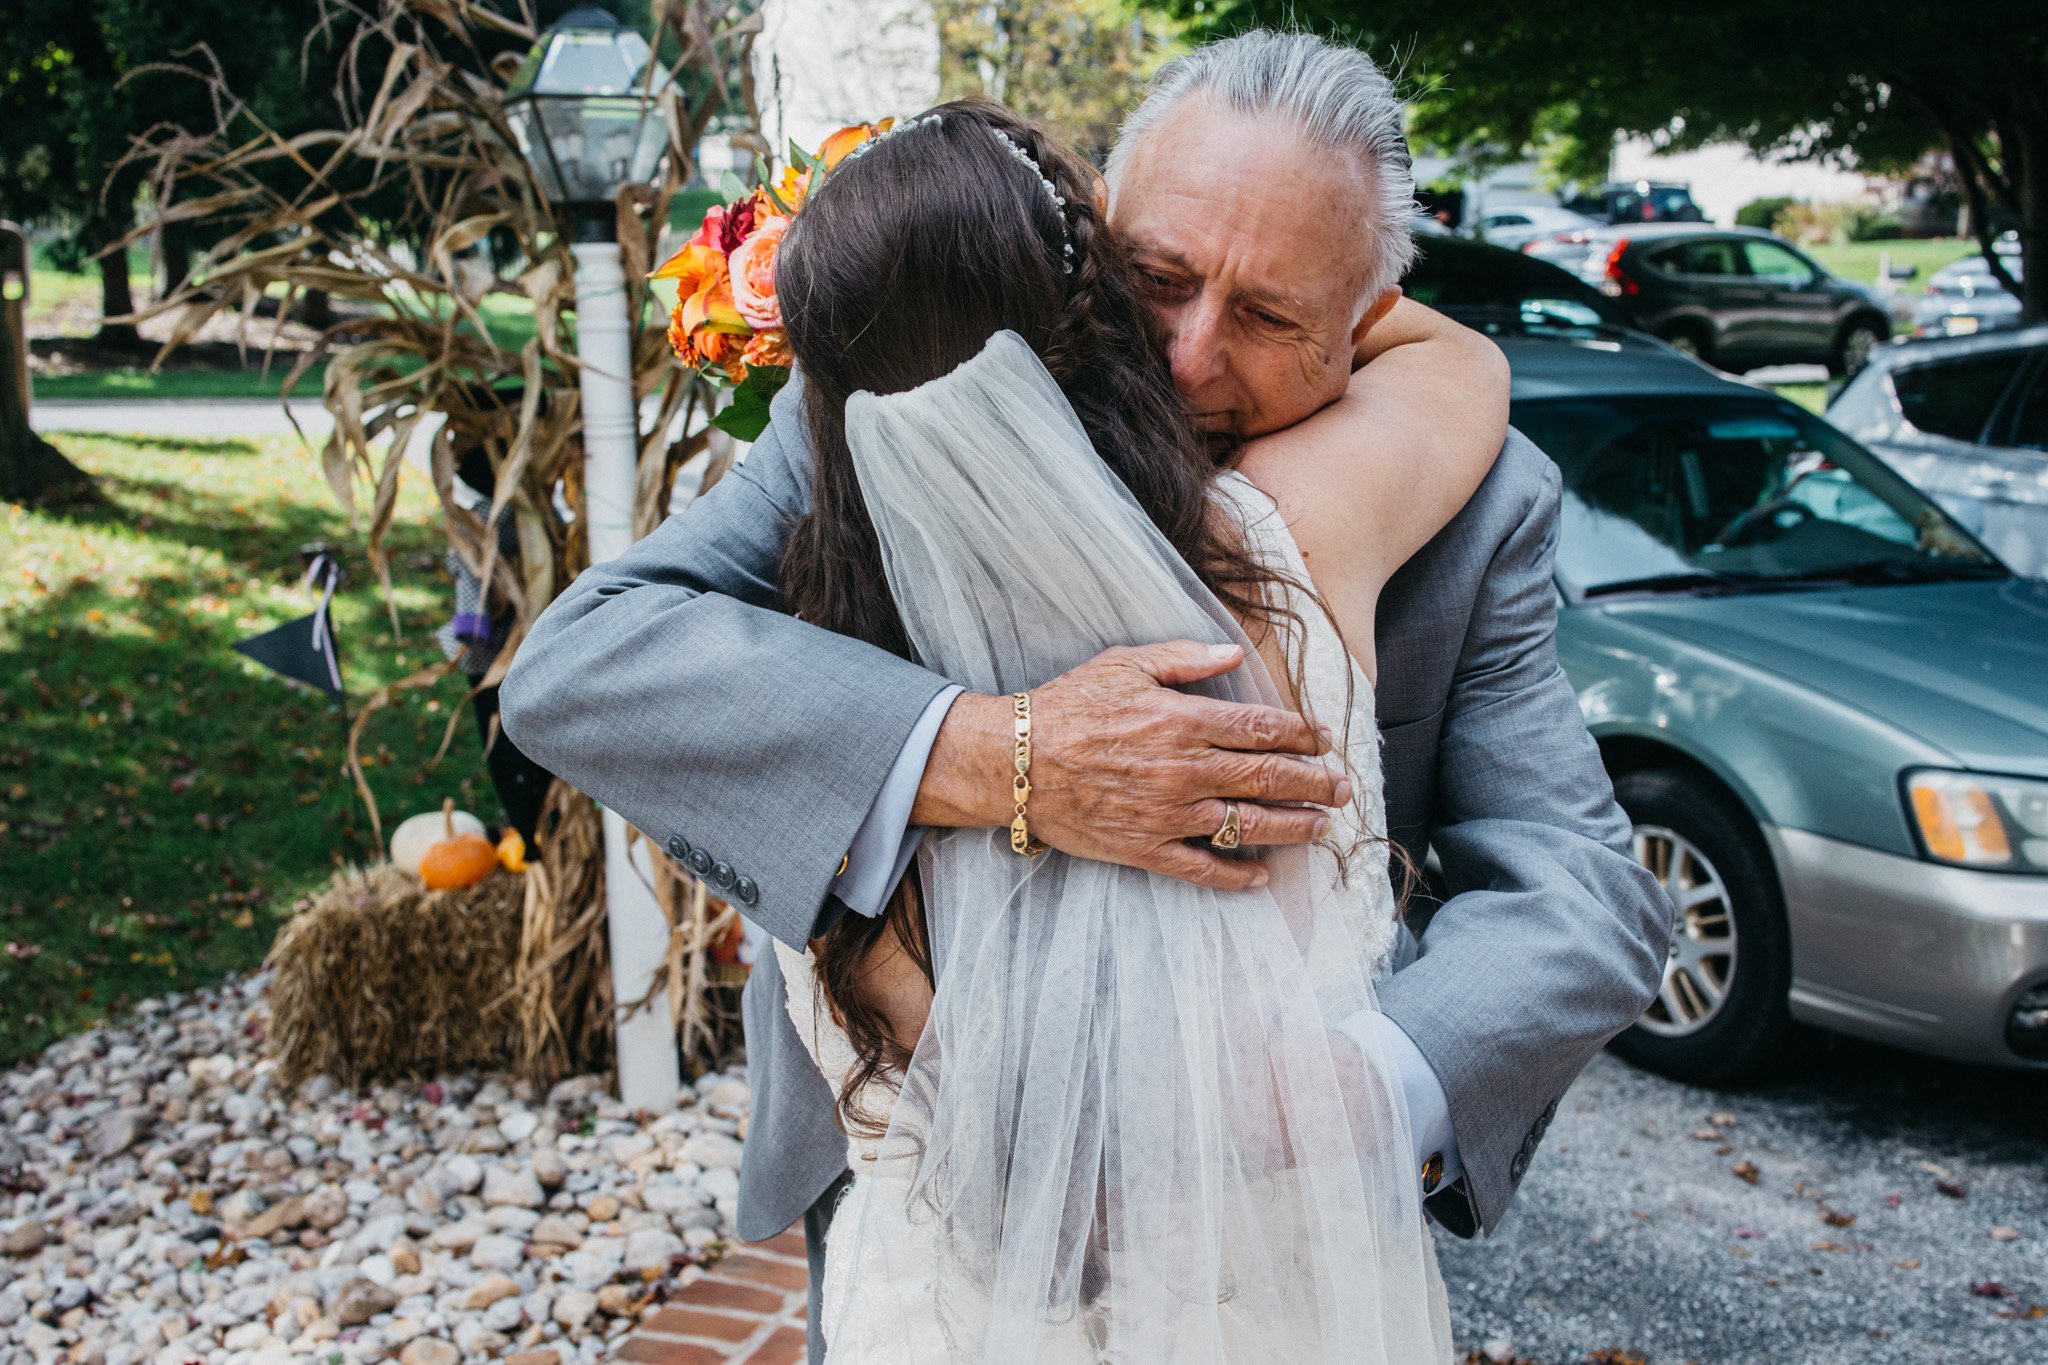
(1151, 1138)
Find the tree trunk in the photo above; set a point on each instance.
(177, 253)
(116, 299)
(2030, 175)
(316, 308)
(30, 467)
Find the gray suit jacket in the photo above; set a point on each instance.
(670, 686)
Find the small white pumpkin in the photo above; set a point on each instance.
(411, 840)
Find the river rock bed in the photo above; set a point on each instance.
(161, 1201)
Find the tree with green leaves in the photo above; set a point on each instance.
(80, 80)
(1074, 65)
(1866, 85)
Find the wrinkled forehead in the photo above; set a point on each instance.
(1213, 191)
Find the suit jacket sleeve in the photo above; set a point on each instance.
(1553, 938)
(670, 685)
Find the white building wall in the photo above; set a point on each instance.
(820, 65)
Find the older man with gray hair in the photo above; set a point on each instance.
(1264, 191)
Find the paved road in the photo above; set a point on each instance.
(1633, 1230)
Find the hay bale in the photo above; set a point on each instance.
(381, 979)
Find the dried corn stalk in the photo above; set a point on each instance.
(419, 209)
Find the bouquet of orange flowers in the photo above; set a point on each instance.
(728, 320)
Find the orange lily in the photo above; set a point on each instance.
(692, 267)
(711, 309)
(846, 139)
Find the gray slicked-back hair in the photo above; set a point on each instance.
(1337, 96)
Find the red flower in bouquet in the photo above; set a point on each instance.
(728, 315)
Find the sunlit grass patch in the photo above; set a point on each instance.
(164, 801)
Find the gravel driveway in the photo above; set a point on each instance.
(1876, 1208)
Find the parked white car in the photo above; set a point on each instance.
(1511, 227)
(1967, 420)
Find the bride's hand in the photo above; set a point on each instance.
(1127, 770)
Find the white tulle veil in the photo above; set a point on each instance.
(1132, 1131)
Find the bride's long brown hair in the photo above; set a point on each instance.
(899, 269)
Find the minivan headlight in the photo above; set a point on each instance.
(1980, 820)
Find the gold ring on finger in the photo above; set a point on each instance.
(1232, 833)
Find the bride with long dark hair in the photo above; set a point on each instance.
(1093, 1113)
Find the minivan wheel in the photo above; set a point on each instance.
(1721, 1015)
(1852, 352)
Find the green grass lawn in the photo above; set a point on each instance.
(163, 801)
(1858, 261)
(135, 381)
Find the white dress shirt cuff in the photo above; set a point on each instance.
(886, 841)
(1429, 1112)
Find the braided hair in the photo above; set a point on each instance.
(898, 269)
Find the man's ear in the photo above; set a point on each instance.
(1374, 312)
(1101, 196)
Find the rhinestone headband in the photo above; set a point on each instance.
(1015, 149)
(895, 130)
(1059, 202)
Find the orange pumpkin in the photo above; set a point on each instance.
(459, 860)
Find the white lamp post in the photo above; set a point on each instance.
(581, 107)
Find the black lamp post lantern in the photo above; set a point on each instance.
(584, 109)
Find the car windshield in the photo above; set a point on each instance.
(1732, 494)
(1670, 203)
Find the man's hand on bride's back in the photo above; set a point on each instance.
(1125, 769)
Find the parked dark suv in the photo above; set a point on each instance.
(1738, 298)
(1637, 201)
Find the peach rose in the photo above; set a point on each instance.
(753, 275)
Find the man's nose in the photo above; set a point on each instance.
(1195, 349)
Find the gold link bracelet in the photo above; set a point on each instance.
(1020, 785)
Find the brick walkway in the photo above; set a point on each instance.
(748, 1311)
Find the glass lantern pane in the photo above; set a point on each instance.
(527, 131)
(592, 63)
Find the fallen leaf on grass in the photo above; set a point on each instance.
(1892, 1201)
(2031, 1313)
(1913, 1264)
(1989, 1289)
(1747, 1171)
(2002, 1233)
(1828, 1246)
(1952, 1188)
(1835, 1218)
(1705, 1135)
(1747, 1234)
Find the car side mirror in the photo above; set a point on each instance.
(1902, 272)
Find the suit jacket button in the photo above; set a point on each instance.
(678, 848)
(747, 891)
(700, 861)
(721, 876)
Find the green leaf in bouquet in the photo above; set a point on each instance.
(800, 158)
(746, 417)
(768, 187)
(732, 187)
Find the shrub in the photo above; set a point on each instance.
(1762, 213)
